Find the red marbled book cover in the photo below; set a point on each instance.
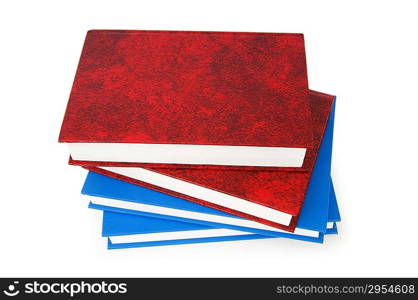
(281, 190)
(197, 88)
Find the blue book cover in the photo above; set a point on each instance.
(129, 231)
(118, 196)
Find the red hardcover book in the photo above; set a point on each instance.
(190, 98)
(270, 197)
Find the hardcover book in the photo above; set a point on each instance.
(273, 198)
(193, 98)
(128, 231)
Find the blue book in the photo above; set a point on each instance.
(129, 231)
(118, 196)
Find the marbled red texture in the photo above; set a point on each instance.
(281, 190)
(205, 88)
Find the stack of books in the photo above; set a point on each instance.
(195, 137)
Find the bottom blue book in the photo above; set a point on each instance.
(130, 231)
(125, 230)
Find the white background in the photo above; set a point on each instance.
(365, 52)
